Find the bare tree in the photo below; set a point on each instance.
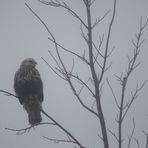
(97, 65)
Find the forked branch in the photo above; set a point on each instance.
(56, 3)
(63, 129)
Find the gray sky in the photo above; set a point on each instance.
(22, 36)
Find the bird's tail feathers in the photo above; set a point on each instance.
(33, 108)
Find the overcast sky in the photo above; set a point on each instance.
(22, 36)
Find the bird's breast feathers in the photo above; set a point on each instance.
(28, 74)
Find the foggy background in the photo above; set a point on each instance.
(22, 36)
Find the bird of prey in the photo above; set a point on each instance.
(28, 87)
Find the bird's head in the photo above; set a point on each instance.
(29, 62)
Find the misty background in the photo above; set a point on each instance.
(23, 36)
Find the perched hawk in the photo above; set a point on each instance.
(28, 87)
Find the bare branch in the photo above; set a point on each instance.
(72, 67)
(100, 137)
(51, 3)
(93, 104)
(137, 142)
(111, 51)
(96, 80)
(119, 78)
(146, 134)
(137, 44)
(39, 19)
(124, 79)
(142, 27)
(53, 69)
(100, 89)
(131, 136)
(79, 99)
(73, 53)
(84, 84)
(54, 122)
(92, 2)
(60, 140)
(115, 98)
(54, 59)
(113, 134)
(107, 42)
(98, 20)
(85, 37)
(65, 6)
(63, 129)
(20, 131)
(134, 96)
(98, 49)
(27, 129)
(8, 93)
(108, 66)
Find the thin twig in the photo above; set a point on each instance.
(146, 134)
(98, 20)
(92, 2)
(8, 93)
(115, 98)
(27, 129)
(137, 142)
(54, 59)
(93, 104)
(131, 136)
(107, 67)
(85, 37)
(59, 140)
(134, 96)
(84, 84)
(113, 134)
(98, 49)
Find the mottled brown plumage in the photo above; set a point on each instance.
(28, 87)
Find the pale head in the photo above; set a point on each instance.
(29, 62)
